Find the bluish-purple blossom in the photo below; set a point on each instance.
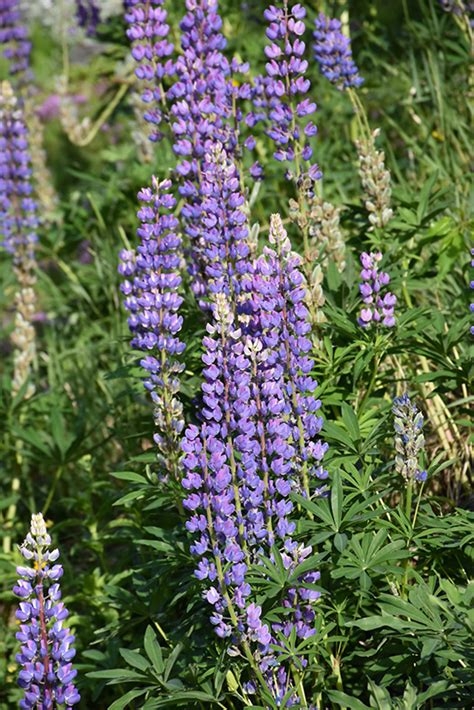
(14, 36)
(18, 209)
(409, 439)
(148, 31)
(151, 289)
(88, 15)
(47, 646)
(257, 443)
(286, 87)
(333, 53)
(379, 303)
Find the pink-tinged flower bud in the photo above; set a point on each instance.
(380, 305)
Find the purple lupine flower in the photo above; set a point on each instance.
(409, 439)
(286, 88)
(278, 293)
(88, 16)
(151, 285)
(204, 112)
(258, 433)
(15, 36)
(18, 220)
(225, 249)
(333, 53)
(379, 306)
(47, 646)
(148, 32)
(458, 7)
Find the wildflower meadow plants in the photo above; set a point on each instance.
(236, 348)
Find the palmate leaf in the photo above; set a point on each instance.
(369, 553)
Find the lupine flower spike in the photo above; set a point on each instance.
(205, 115)
(321, 220)
(287, 87)
(88, 16)
(333, 53)
(18, 223)
(256, 443)
(151, 285)
(148, 32)
(46, 644)
(379, 305)
(409, 439)
(14, 35)
(376, 181)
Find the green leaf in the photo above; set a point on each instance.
(153, 650)
(129, 476)
(122, 702)
(133, 658)
(116, 674)
(344, 700)
(351, 422)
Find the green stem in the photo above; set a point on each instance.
(52, 491)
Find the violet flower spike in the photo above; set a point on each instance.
(88, 16)
(245, 458)
(151, 289)
(148, 32)
(204, 115)
(47, 646)
(379, 305)
(287, 88)
(409, 439)
(18, 218)
(225, 247)
(333, 53)
(14, 35)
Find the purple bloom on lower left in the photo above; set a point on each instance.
(47, 646)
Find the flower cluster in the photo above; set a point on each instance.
(225, 249)
(286, 88)
(379, 307)
(458, 7)
(409, 439)
(18, 223)
(332, 51)
(375, 180)
(14, 34)
(320, 220)
(204, 112)
(256, 444)
(148, 31)
(46, 645)
(88, 16)
(151, 285)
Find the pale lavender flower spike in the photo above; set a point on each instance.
(379, 303)
(409, 439)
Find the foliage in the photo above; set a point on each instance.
(394, 623)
